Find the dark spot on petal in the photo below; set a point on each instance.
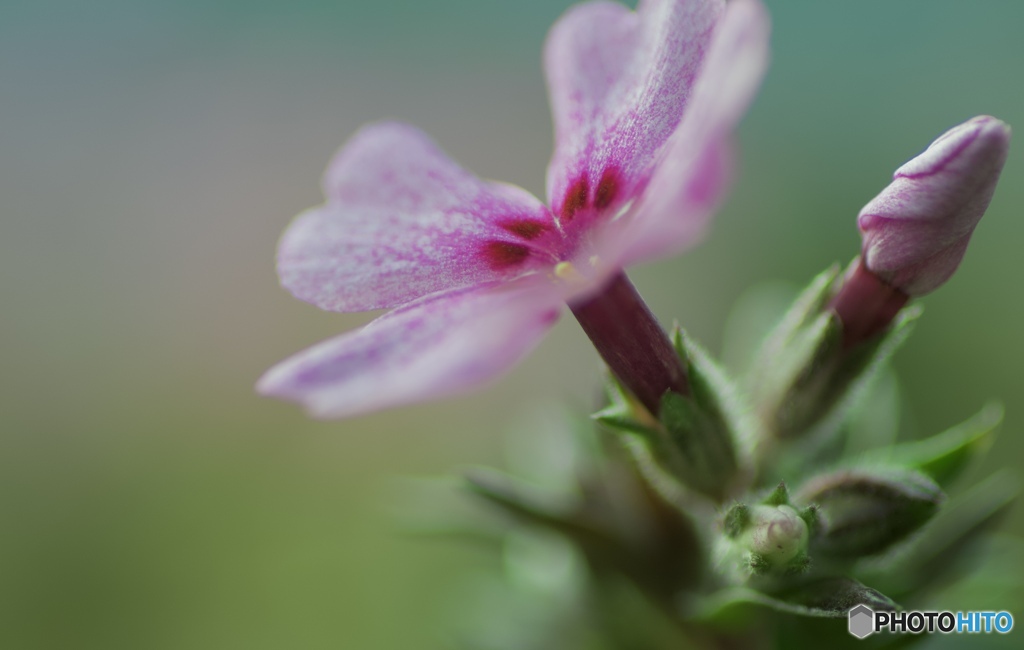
(575, 198)
(525, 228)
(503, 254)
(607, 189)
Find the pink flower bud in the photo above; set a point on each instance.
(916, 231)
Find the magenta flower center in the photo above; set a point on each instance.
(582, 209)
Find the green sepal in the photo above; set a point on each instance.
(804, 379)
(789, 348)
(704, 456)
(736, 520)
(867, 511)
(812, 518)
(944, 456)
(758, 564)
(777, 497)
(691, 443)
(612, 418)
(807, 306)
(623, 413)
(644, 438)
(800, 564)
(707, 425)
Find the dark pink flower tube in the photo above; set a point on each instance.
(916, 231)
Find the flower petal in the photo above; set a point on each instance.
(619, 82)
(916, 231)
(692, 177)
(441, 345)
(401, 221)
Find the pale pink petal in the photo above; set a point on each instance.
(619, 83)
(440, 345)
(402, 220)
(916, 231)
(691, 179)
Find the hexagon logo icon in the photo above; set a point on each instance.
(862, 621)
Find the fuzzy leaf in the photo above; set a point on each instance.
(825, 598)
(945, 455)
(520, 500)
(709, 422)
(440, 506)
(837, 596)
(873, 422)
(933, 555)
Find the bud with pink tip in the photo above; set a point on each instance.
(916, 231)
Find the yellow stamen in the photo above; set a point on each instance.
(566, 271)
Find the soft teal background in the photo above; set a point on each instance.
(152, 152)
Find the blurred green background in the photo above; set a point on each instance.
(151, 152)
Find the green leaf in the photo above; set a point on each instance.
(822, 598)
(944, 456)
(866, 511)
(837, 596)
(873, 421)
(936, 553)
(521, 500)
(440, 506)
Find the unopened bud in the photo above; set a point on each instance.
(867, 511)
(770, 537)
(776, 534)
(916, 231)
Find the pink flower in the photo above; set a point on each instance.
(644, 104)
(916, 231)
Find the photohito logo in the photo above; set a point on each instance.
(864, 621)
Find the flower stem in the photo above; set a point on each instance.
(632, 343)
(865, 304)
